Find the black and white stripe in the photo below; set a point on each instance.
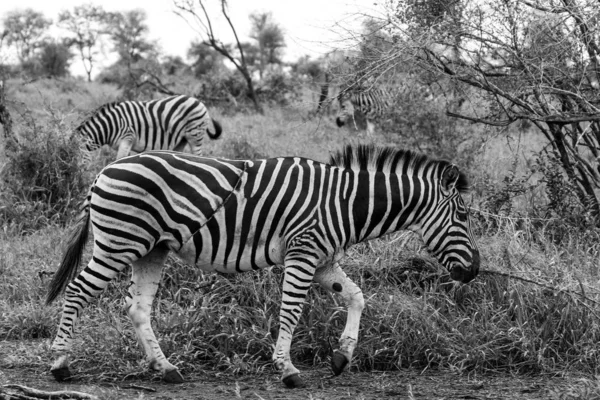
(137, 126)
(239, 215)
(372, 103)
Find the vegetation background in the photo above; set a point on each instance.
(534, 308)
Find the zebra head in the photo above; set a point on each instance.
(346, 109)
(446, 227)
(102, 126)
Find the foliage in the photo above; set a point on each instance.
(206, 59)
(513, 54)
(86, 23)
(277, 87)
(305, 66)
(54, 59)
(128, 31)
(25, 30)
(269, 39)
(199, 16)
(42, 181)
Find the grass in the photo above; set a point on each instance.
(534, 308)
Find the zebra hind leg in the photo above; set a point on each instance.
(333, 279)
(87, 285)
(145, 278)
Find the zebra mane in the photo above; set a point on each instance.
(387, 159)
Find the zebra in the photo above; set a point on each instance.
(171, 123)
(371, 103)
(234, 216)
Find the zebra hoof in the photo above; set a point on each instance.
(61, 374)
(173, 376)
(338, 363)
(294, 381)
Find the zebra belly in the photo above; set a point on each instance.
(232, 256)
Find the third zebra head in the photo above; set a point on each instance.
(446, 227)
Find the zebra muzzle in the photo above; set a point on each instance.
(463, 274)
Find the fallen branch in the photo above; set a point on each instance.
(139, 387)
(31, 393)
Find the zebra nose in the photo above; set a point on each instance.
(466, 275)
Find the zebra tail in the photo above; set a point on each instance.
(218, 129)
(72, 256)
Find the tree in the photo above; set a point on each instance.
(269, 38)
(86, 23)
(54, 59)
(529, 60)
(25, 30)
(202, 19)
(206, 59)
(128, 33)
(173, 65)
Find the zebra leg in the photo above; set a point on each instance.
(145, 277)
(334, 279)
(370, 128)
(101, 269)
(194, 141)
(125, 144)
(296, 282)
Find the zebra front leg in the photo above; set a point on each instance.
(88, 284)
(145, 277)
(296, 282)
(334, 279)
(370, 128)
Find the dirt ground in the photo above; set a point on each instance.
(351, 386)
(406, 384)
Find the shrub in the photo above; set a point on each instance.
(42, 181)
(279, 88)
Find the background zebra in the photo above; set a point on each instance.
(371, 103)
(234, 216)
(173, 123)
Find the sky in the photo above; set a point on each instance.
(311, 27)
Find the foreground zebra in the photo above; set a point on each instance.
(136, 126)
(372, 103)
(234, 216)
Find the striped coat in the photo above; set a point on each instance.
(174, 123)
(241, 215)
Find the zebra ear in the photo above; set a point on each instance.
(450, 177)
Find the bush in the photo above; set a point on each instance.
(41, 182)
(279, 88)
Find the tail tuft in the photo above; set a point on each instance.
(218, 129)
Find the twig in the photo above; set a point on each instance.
(41, 394)
(133, 386)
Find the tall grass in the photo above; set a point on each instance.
(415, 317)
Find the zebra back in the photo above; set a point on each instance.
(164, 124)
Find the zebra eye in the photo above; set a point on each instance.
(461, 216)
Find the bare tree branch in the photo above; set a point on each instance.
(187, 9)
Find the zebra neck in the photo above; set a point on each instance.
(395, 202)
